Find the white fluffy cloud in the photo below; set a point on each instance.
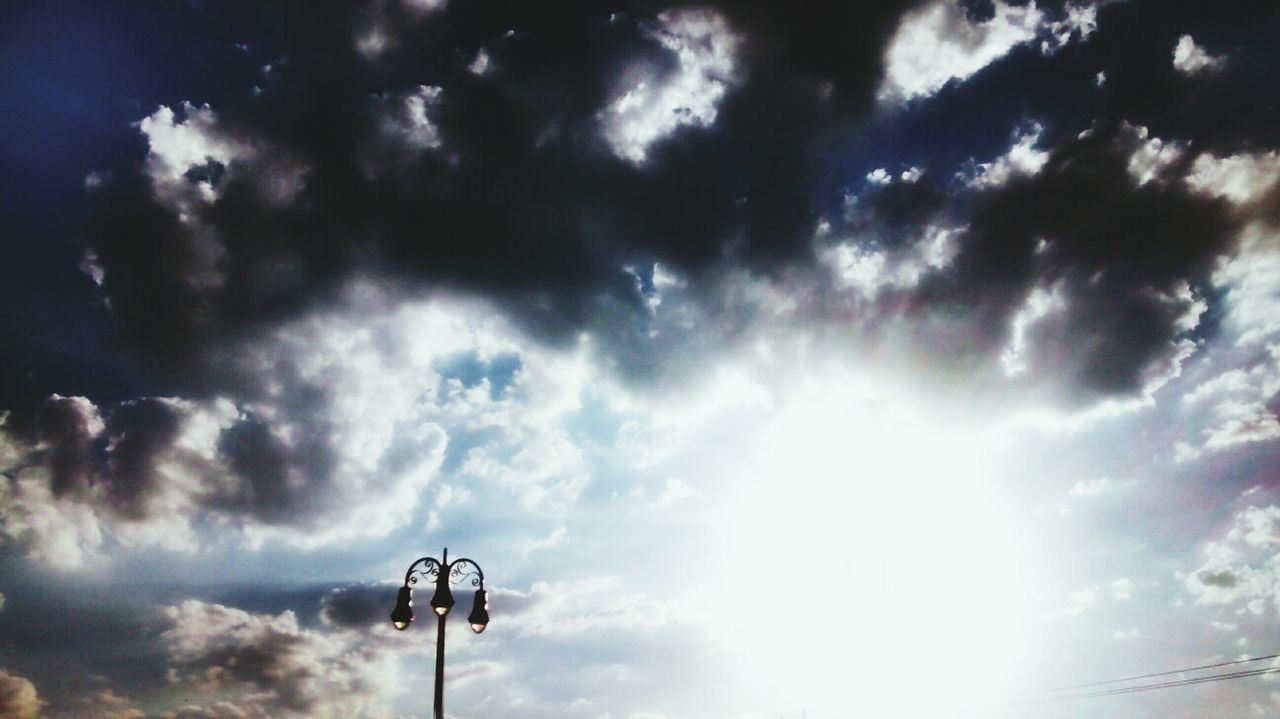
(1189, 58)
(1122, 589)
(562, 609)
(378, 388)
(1233, 402)
(651, 106)
(1080, 21)
(191, 483)
(178, 144)
(195, 137)
(1237, 400)
(191, 155)
(383, 31)
(1242, 568)
(866, 272)
(1092, 487)
(1252, 281)
(675, 490)
(1081, 601)
(269, 666)
(1022, 160)
(555, 538)
(938, 43)
(59, 533)
(402, 129)
(1040, 303)
(1241, 179)
(62, 534)
(1149, 156)
(18, 697)
(425, 5)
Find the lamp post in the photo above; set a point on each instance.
(443, 573)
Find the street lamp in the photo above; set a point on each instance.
(442, 572)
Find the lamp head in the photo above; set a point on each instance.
(442, 600)
(479, 618)
(403, 613)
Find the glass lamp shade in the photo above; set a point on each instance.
(479, 617)
(442, 600)
(403, 613)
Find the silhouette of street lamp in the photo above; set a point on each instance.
(442, 572)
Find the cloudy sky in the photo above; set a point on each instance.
(832, 359)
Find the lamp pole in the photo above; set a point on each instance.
(443, 573)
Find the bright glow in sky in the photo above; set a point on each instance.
(862, 535)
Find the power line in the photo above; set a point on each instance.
(1184, 682)
(1152, 676)
(1149, 687)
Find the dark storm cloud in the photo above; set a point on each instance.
(358, 606)
(266, 467)
(1235, 110)
(407, 162)
(150, 266)
(1225, 579)
(267, 663)
(118, 458)
(1120, 252)
(374, 145)
(896, 214)
(64, 428)
(1120, 255)
(69, 637)
(270, 664)
(978, 10)
(512, 192)
(252, 473)
(140, 432)
(269, 478)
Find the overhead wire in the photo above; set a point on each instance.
(1152, 676)
(1149, 687)
(1050, 695)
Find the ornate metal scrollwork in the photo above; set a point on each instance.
(459, 570)
(429, 571)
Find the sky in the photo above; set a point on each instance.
(826, 360)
